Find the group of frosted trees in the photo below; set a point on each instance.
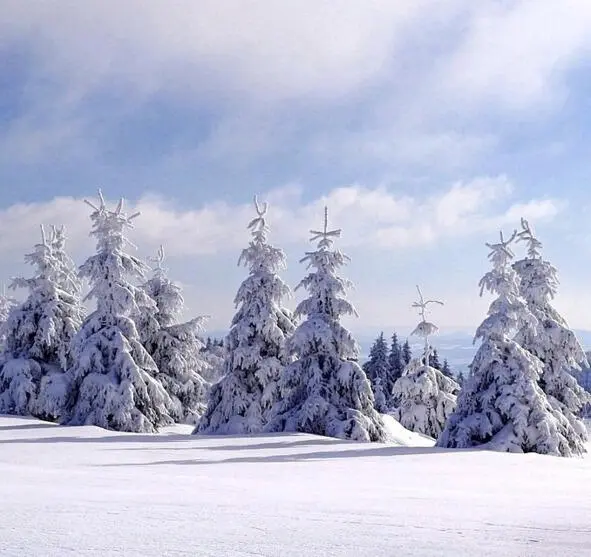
(132, 365)
(129, 365)
(521, 395)
(295, 372)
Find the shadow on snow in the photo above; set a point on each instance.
(382, 451)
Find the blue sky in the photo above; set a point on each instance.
(426, 126)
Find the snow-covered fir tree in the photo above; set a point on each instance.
(395, 363)
(423, 398)
(549, 338)
(38, 334)
(325, 391)
(175, 347)
(114, 381)
(255, 345)
(501, 405)
(55, 386)
(377, 370)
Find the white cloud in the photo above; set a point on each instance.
(369, 217)
(203, 243)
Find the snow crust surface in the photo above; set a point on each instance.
(86, 491)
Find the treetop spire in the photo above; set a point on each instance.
(258, 226)
(325, 236)
(425, 328)
(500, 252)
(118, 212)
(159, 270)
(533, 244)
(423, 304)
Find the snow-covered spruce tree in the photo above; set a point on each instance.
(255, 345)
(325, 391)
(54, 386)
(114, 381)
(377, 370)
(175, 347)
(501, 406)
(550, 339)
(423, 398)
(38, 334)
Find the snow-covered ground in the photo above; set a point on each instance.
(85, 491)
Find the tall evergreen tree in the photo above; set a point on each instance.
(38, 335)
(325, 391)
(114, 381)
(54, 386)
(423, 397)
(377, 370)
(406, 353)
(461, 379)
(175, 347)
(501, 406)
(549, 338)
(255, 346)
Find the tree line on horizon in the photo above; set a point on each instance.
(132, 365)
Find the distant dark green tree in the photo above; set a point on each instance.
(434, 361)
(377, 370)
(446, 370)
(406, 353)
(395, 363)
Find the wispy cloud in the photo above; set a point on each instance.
(518, 53)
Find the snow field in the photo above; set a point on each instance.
(87, 491)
